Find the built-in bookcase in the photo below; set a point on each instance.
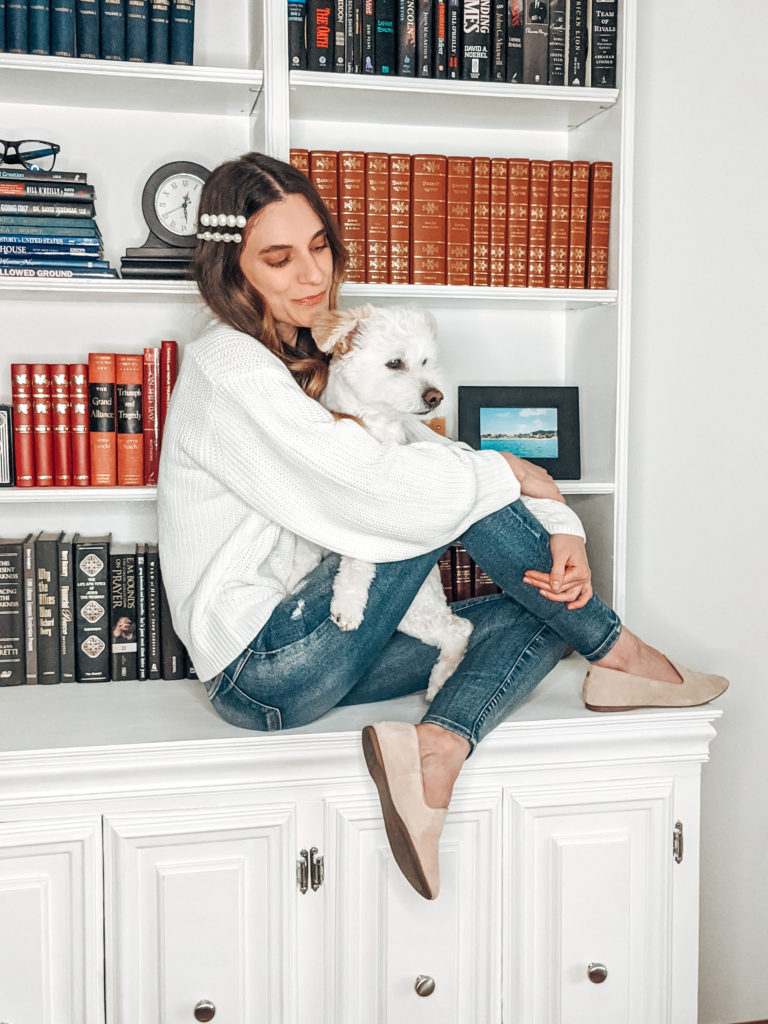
(121, 121)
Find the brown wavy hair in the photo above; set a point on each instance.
(245, 186)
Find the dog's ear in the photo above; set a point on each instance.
(333, 331)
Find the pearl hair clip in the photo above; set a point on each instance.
(222, 220)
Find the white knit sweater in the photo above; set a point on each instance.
(249, 461)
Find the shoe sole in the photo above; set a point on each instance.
(639, 707)
(399, 839)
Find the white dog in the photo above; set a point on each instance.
(383, 371)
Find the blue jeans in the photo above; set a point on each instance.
(301, 664)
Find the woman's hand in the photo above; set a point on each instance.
(534, 481)
(570, 579)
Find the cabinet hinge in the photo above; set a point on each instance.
(677, 842)
(310, 870)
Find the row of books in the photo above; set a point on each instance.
(96, 424)
(431, 219)
(159, 31)
(86, 610)
(462, 577)
(537, 42)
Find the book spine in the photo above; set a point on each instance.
(172, 654)
(12, 641)
(498, 223)
(141, 611)
(399, 218)
(30, 611)
(17, 26)
(349, 38)
(112, 24)
(599, 224)
(48, 617)
(577, 234)
(384, 52)
(482, 583)
(446, 574)
(481, 220)
(518, 199)
(2, 25)
(602, 65)
(440, 63)
(53, 272)
(122, 604)
(63, 28)
(458, 228)
(338, 56)
(462, 586)
(137, 30)
(536, 42)
(63, 190)
(499, 41)
(154, 664)
(150, 414)
(476, 40)
(91, 574)
(352, 211)
(79, 422)
(62, 432)
(182, 31)
(22, 174)
(558, 222)
(7, 465)
(297, 40)
(453, 38)
(577, 42)
(428, 218)
(169, 363)
(557, 30)
(23, 432)
(357, 38)
(58, 264)
(299, 158)
(537, 224)
(377, 217)
(320, 41)
(159, 31)
(101, 412)
(424, 41)
(36, 208)
(42, 423)
(87, 36)
(406, 38)
(129, 374)
(324, 174)
(66, 611)
(514, 69)
(39, 29)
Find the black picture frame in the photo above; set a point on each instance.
(566, 465)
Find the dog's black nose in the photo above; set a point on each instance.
(432, 397)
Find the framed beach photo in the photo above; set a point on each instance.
(540, 424)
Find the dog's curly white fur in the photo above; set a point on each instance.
(384, 371)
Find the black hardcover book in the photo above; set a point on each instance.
(122, 611)
(12, 640)
(7, 468)
(577, 42)
(91, 573)
(357, 36)
(39, 29)
(349, 39)
(338, 35)
(602, 65)
(424, 38)
(63, 28)
(17, 26)
(159, 31)
(499, 41)
(24, 174)
(87, 36)
(48, 616)
(297, 40)
(68, 191)
(535, 42)
(173, 656)
(557, 31)
(514, 40)
(66, 609)
(453, 38)
(406, 38)
(30, 609)
(41, 208)
(2, 25)
(112, 23)
(385, 48)
(320, 35)
(154, 663)
(137, 31)
(368, 58)
(182, 31)
(476, 40)
(141, 611)
(440, 49)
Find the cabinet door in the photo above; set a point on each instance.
(200, 908)
(383, 935)
(51, 948)
(587, 882)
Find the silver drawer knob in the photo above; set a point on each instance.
(204, 1010)
(425, 985)
(597, 973)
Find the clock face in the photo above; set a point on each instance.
(177, 198)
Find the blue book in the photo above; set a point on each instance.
(76, 263)
(159, 31)
(87, 28)
(41, 225)
(63, 28)
(16, 26)
(137, 30)
(53, 272)
(50, 241)
(112, 17)
(15, 230)
(2, 25)
(32, 251)
(39, 26)
(182, 31)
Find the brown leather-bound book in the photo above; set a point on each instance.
(324, 175)
(79, 422)
(62, 434)
(481, 220)
(169, 363)
(399, 218)
(599, 221)
(101, 406)
(577, 234)
(462, 573)
(498, 224)
(482, 582)
(300, 160)
(558, 219)
(458, 230)
(377, 217)
(445, 565)
(352, 211)
(518, 198)
(129, 374)
(150, 414)
(23, 437)
(428, 205)
(42, 424)
(537, 224)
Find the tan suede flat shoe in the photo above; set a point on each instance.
(607, 689)
(413, 828)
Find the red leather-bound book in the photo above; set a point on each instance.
(577, 233)
(377, 217)
(599, 228)
(428, 206)
(300, 160)
(79, 422)
(129, 374)
(558, 219)
(324, 175)
(458, 231)
(42, 424)
(399, 218)
(481, 220)
(101, 409)
(498, 226)
(169, 363)
(518, 200)
(352, 211)
(150, 410)
(62, 435)
(537, 224)
(23, 438)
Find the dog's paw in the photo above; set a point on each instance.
(432, 691)
(345, 619)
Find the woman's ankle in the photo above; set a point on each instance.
(442, 755)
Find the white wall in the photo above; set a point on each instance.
(698, 529)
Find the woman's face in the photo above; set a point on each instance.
(287, 259)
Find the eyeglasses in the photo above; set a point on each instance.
(30, 153)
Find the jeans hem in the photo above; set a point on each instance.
(446, 723)
(606, 645)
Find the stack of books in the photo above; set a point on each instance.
(462, 577)
(48, 227)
